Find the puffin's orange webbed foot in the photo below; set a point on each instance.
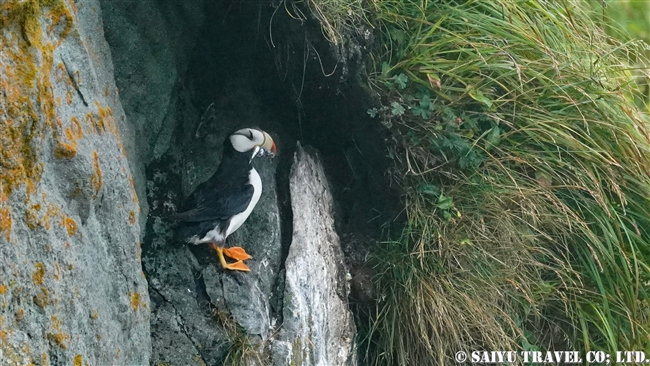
(237, 253)
(237, 266)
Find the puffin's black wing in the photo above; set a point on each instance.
(215, 203)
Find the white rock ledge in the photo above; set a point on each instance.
(318, 327)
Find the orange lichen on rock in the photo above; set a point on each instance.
(78, 360)
(96, 177)
(134, 193)
(61, 73)
(69, 97)
(70, 225)
(68, 149)
(39, 273)
(92, 122)
(52, 211)
(59, 13)
(43, 298)
(65, 150)
(3, 289)
(20, 314)
(106, 119)
(28, 101)
(132, 217)
(75, 131)
(135, 300)
(5, 223)
(33, 217)
(73, 6)
(59, 339)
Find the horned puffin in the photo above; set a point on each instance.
(220, 205)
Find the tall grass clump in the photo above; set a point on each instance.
(526, 174)
(624, 20)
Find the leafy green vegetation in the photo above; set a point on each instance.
(526, 173)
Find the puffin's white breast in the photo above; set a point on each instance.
(238, 219)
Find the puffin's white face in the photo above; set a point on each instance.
(256, 141)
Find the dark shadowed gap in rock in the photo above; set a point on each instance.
(282, 61)
(254, 65)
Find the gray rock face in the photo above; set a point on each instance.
(216, 310)
(151, 41)
(318, 327)
(72, 291)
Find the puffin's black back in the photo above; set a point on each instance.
(216, 200)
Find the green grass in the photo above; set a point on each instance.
(526, 173)
(242, 349)
(628, 19)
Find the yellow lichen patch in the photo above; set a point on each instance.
(134, 193)
(58, 339)
(96, 177)
(106, 119)
(3, 289)
(68, 149)
(32, 215)
(78, 360)
(61, 74)
(70, 225)
(69, 97)
(94, 315)
(132, 217)
(75, 128)
(20, 314)
(5, 223)
(57, 271)
(28, 101)
(43, 298)
(51, 212)
(39, 273)
(59, 13)
(135, 300)
(92, 122)
(65, 150)
(73, 6)
(56, 323)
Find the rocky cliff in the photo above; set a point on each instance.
(111, 113)
(72, 290)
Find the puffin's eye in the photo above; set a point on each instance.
(251, 134)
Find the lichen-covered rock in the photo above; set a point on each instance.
(72, 291)
(318, 327)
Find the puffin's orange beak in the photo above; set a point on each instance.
(269, 144)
